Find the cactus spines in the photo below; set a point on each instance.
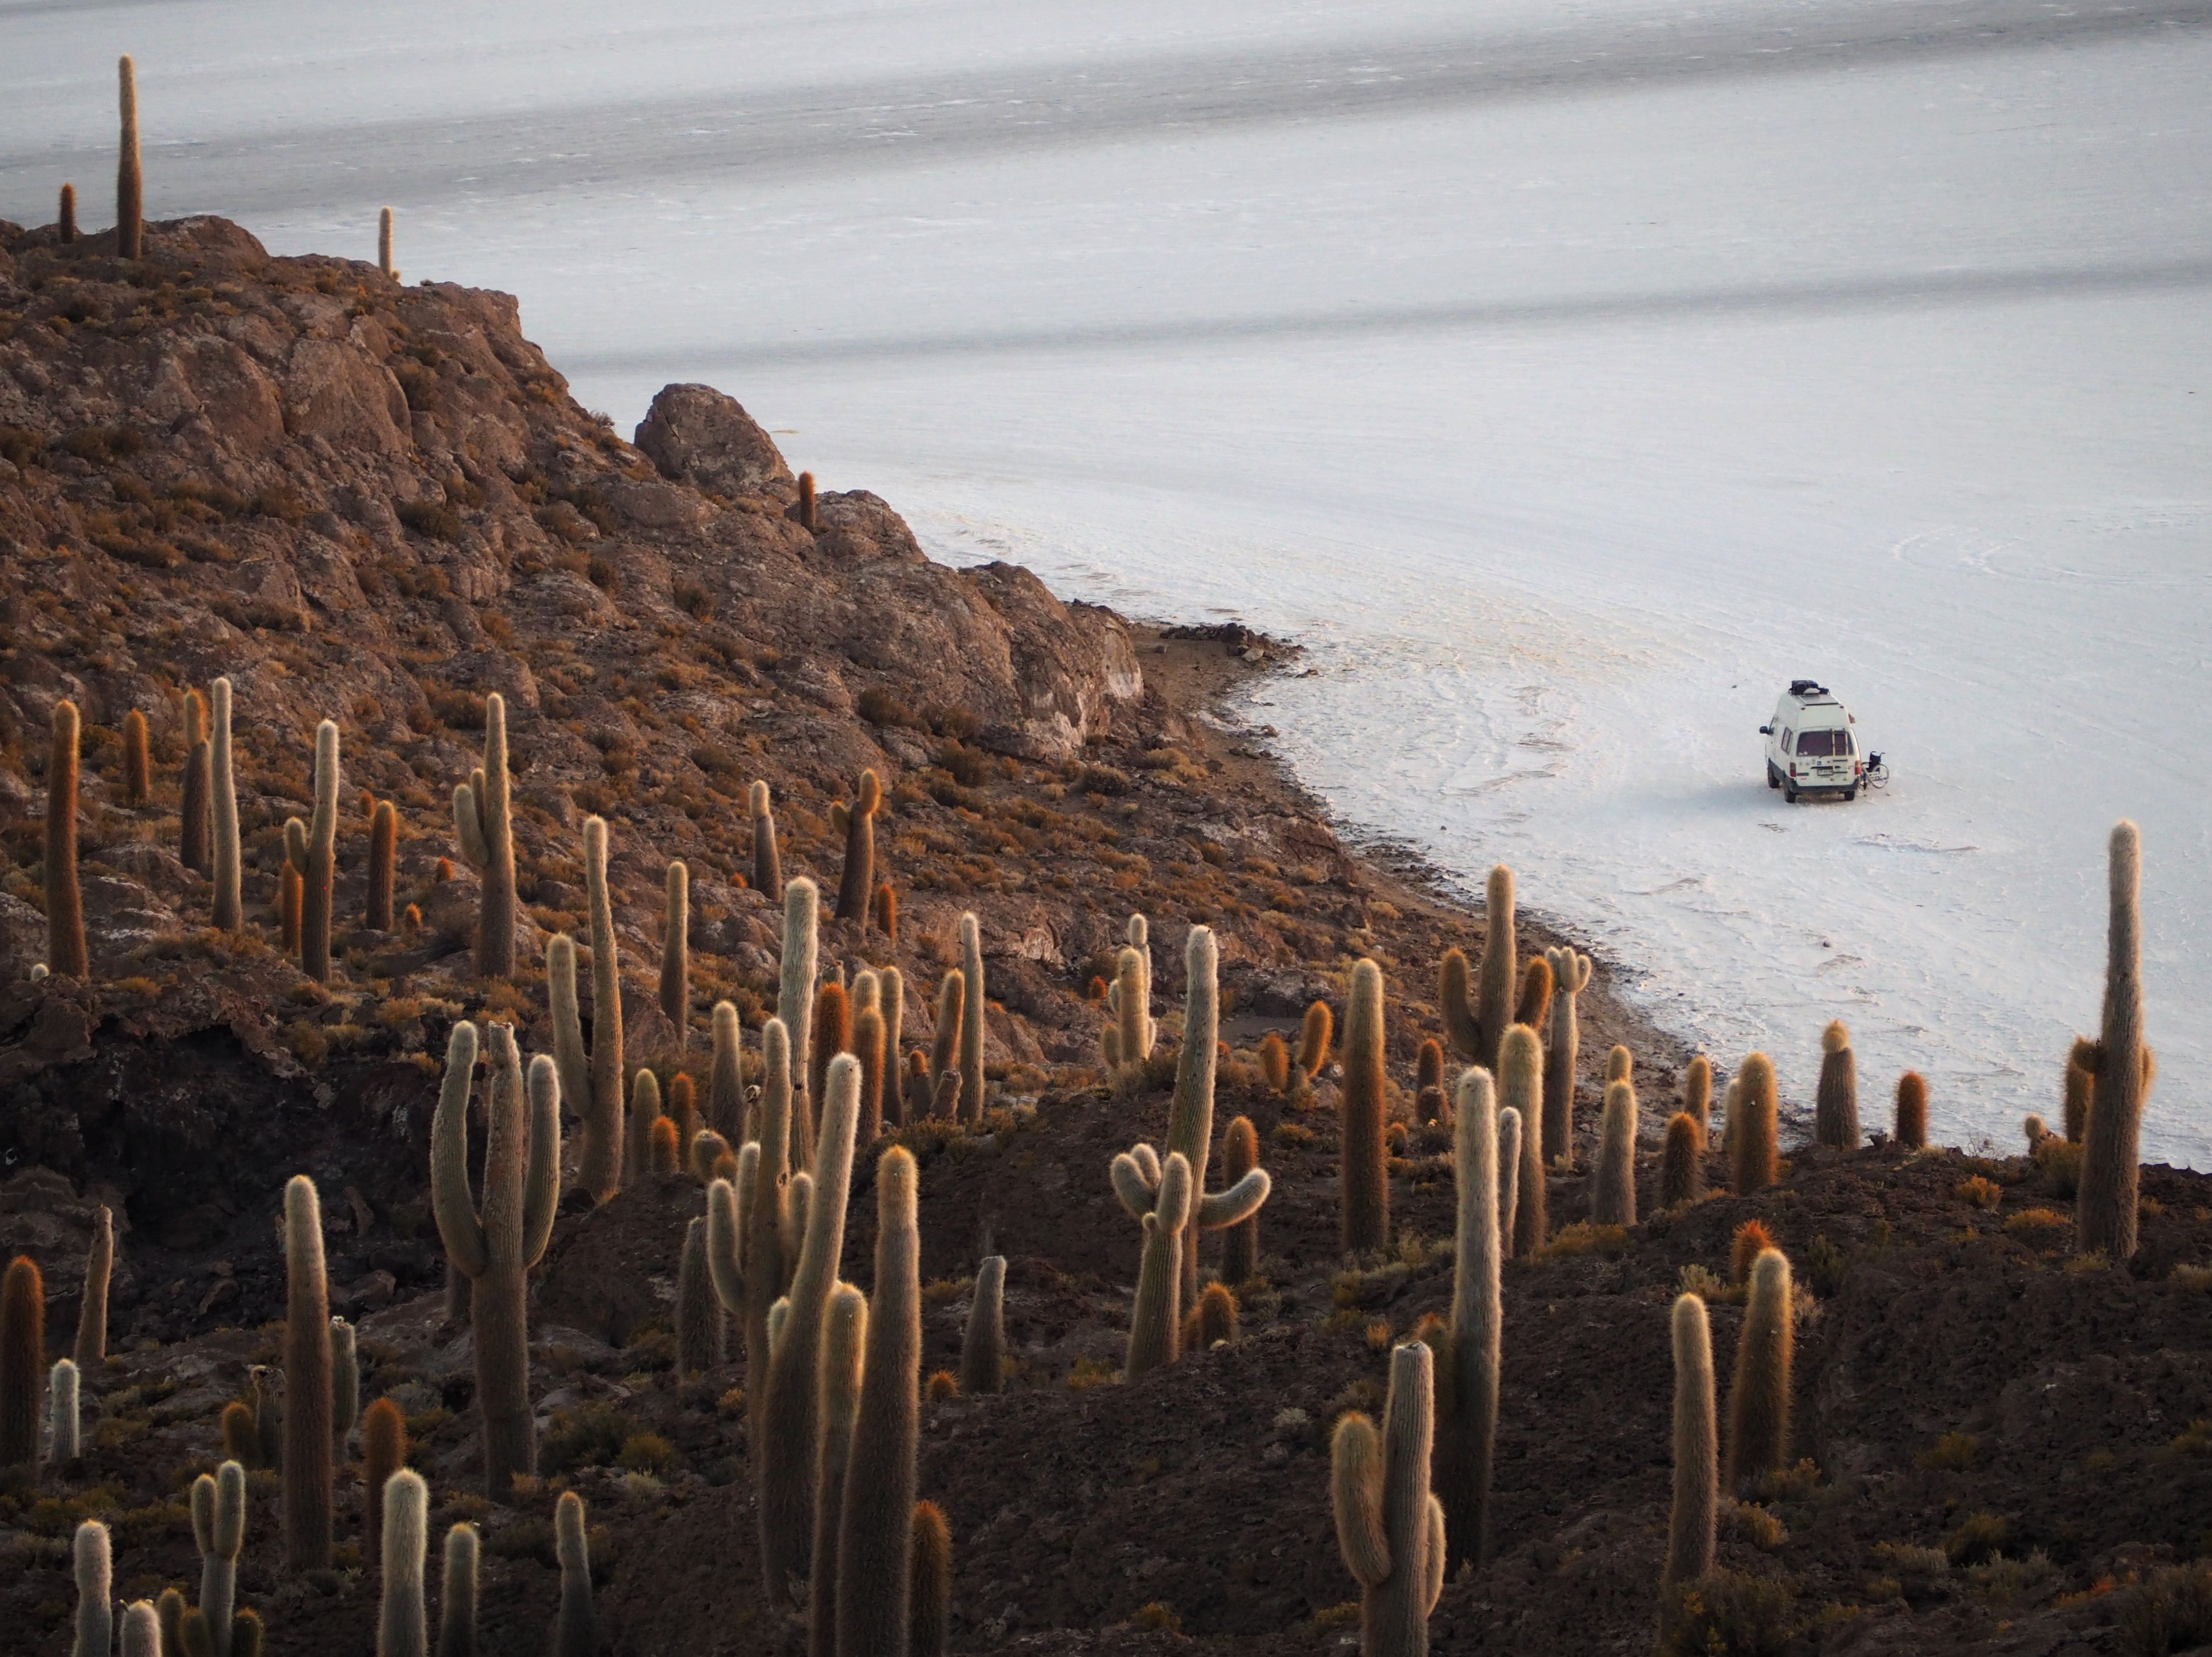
(858, 822)
(1509, 1176)
(1240, 1243)
(383, 856)
(577, 1632)
(95, 1583)
(1366, 1221)
(1275, 1063)
(1495, 982)
(832, 1034)
(229, 902)
(61, 1416)
(726, 1084)
(130, 185)
(794, 999)
(930, 1590)
(1613, 1199)
(767, 868)
(1698, 1091)
(196, 825)
(1466, 1370)
(1160, 1197)
(983, 1346)
(676, 951)
(1682, 1161)
(698, 1319)
(2106, 1208)
(91, 1348)
(306, 1470)
(844, 1337)
(65, 215)
(219, 1528)
(290, 891)
(874, 1537)
(1758, 1398)
(1751, 1128)
(1836, 1106)
(1691, 1533)
(971, 1019)
(867, 1045)
(945, 1044)
(1390, 1528)
(401, 1629)
(885, 912)
(483, 828)
(383, 1452)
(1314, 1032)
(1214, 1317)
(1912, 1111)
(1571, 976)
(457, 1611)
(383, 265)
(644, 1112)
(311, 852)
(137, 766)
(65, 949)
(788, 1419)
(141, 1629)
(1521, 1088)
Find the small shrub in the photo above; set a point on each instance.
(1704, 1282)
(1981, 1193)
(1976, 1538)
(1159, 1617)
(588, 1435)
(1728, 1614)
(1953, 1453)
(2193, 1439)
(1089, 1373)
(2040, 1227)
(1795, 1484)
(1823, 1267)
(648, 1453)
(2059, 1163)
(1912, 1559)
(2171, 1611)
(2195, 1279)
(1748, 1522)
(1583, 1237)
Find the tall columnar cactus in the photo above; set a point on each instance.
(1520, 1074)
(747, 1223)
(1912, 1111)
(402, 1629)
(971, 1019)
(219, 1528)
(874, 1534)
(291, 886)
(130, 185)
(2106, 1208)
(383, 863)
(1682, 1161)
(95, 1590)
(1698, 1091)
(62, 1396)
(1467, 1366)
(809, 519)
(496, 1247)
(141, 1629)
(867, 1045)
(676, 951)
(1758, 1400)
(22, 1361)
(137, 764)
(91, 1348)
(726, 1082)
(1365, 1220)
(308, 1469)
(983, 1343)
(1429, 1081)
(1613, 1199)
(1535, 1002)
(1240, 1243)
(1836, 1106)
(767, 868)
(313, 853)
(1571, 976)
(857, 823)
(601, 1102)
(576, 1629)
(456, 1610)
(930, 1591)
(1390, 1528)
(484, 826)
(229, 899)
(1190, 1117)
(885, 912)
(945, 1044)
(844, 1337)
(168, 1622)
(1124, 1044)
(197, 827)
(1160, 1197)
(832, 1033)
(384, 267)
(1509, 1176)
(65, 949)
(383, 1452)
(1315, 1031)
(65, 215)
(637, 1126)
(891, 994)
(1691, 1527)
(698, 1317)
(789, 1424)
(1753, 1118)
(794, 997)
(1475, 1024)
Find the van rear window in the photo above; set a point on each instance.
(1824, 745)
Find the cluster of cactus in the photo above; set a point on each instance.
(311, 858)
(857, 823)
(1390, 1528)
(1126, 1042)
(593, 1082)
(1468, 1358)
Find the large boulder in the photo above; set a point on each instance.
(695, 434)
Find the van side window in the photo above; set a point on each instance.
(1785, 740)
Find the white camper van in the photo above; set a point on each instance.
(1810, 745)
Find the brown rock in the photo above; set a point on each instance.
(695, 434)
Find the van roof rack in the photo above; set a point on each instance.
(1806, 687)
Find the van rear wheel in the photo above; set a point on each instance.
(1851, 792)
(1789, 795)
(1773, 776)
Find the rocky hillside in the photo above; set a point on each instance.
(377, 504)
